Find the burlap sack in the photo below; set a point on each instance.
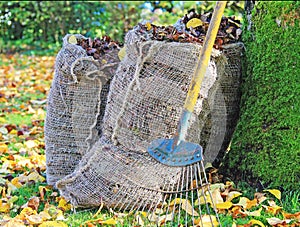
(75, 109)
(145, 101)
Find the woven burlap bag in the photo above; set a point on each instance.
(75, 107)
(145, 102)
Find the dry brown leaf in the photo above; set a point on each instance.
(260, 197)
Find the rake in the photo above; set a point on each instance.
(166, 185)
(191, 194)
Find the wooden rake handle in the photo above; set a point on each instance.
(197, 79)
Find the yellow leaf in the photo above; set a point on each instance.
(185, 205)
(16, 182)
(148, 26)
(4, 208)
(194, 22)
(64, 204)
(3, 148)
(254, 222)
(30, 144)
(110, 221)
(243, 202)
(53, 224)
(35, 219)
(255, 213)
(232, 195)
(207, 221)
(272, 209)
(225, 205)
(274, 192)
(251, 203)
(45, 215)
(122, 53)
(72, 39)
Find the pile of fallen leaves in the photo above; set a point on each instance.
(192, 28)
(97, 47)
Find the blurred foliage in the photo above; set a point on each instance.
(41, 25)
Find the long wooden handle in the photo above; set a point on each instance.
(204, 57)
(197, 79)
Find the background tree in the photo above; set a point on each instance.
(266, 145)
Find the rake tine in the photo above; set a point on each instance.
(199, 205)
(179, 209)
(186, 193)
(192, 194)
(210, 195)
(207, 208)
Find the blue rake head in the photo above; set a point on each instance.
(167, 153)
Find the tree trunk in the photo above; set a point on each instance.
(266, 145)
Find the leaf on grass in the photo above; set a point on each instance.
(35, 219)
(275, 221)
(15, 223)
(256, 213)
(64, 205)
(292, 216)
(53, 224)
(16, 182)
(185, 205)
(260, 197)
(243, 202)
(254, 222)
(206, 221)
(34, 203)
(272, 209)
(251, 203)
(274, 192)
(4, 207)
(225, 205)
(233, 194)
(110, 221)
(163, 219)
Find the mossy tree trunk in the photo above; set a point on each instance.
(266, 145)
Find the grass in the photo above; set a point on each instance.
(15, 112)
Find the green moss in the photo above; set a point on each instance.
(266, 143)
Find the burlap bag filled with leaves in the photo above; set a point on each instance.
(76, 104)
(145, 102)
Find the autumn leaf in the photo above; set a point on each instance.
(224, 205)
(254, 222)
(185, 205)
(53, 224)
(207, 221)
(274, 192)
(275, 221)
(256, 213)
(194, 22)
(233, 194)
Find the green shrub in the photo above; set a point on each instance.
(266, 145)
